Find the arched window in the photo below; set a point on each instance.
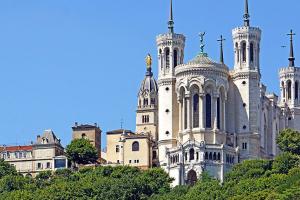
(161, 58)
(296, 90)
(251, 52)
(135, 146)
(196, 111)
(237, 52)
(206, 156)
(83, 136)
(154, 154)
(175, 60)
(181, 56)
(219, 157)
(283, 89)
(208, 110)
(192, 154)
(289, 89)
(191, 177)
(145, 102)
(215, 156)
(218, 114)
(185, 113)
(167, 58)
(244, 56)
(210, 156)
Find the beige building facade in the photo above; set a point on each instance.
(90, 132)
(130, 149)
(45, 154)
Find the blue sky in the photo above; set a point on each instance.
(63, 61)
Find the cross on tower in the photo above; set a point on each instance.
(291, 58)
(221, 40)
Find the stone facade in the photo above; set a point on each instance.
(211, 117)
(45, 154)
(90, 132)
(127, 148)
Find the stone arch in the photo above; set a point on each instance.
(251, 52)
(289, 89)
(194, 89)
(175, 57)
(237, 52)
(244, 50)
(167, 57)
(192, 177)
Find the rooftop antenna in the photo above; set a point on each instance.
(122, 122)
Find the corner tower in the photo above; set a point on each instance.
(170, 54)
(246, 77)
(146, 114)
(289, 86)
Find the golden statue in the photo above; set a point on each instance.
(148, 61)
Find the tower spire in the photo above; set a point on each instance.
(246, 15)
(291, 58)
(221, 40)
(171, 20)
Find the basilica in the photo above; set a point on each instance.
(203, 115)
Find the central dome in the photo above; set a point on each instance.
(200, 64)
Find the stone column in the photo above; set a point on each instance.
(180, 115)
(201, 111)
(183, 113)
(293, 92)
(224, 115)
(214, 112)
(248, 54)
(188, 101)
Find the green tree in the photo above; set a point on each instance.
(6, 169)
(289, 141)
(81, 151)
(284, 162)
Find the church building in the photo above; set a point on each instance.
(203, 115)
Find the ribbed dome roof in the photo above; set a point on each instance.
(149, 84)
(202, 60)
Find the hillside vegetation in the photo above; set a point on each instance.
(252, 179)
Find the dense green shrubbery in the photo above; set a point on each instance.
(250, 180)
(88, 183)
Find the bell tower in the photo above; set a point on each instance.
(170, 54)
(289, 86)
(246, 77)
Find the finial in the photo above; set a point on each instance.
(202, 45)
(246, 15)
(171, 21)
(221, 40)
(148, 60)
(291, 58)
(122, 122)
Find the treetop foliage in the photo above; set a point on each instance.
(81, 151)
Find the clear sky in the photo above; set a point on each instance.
(63, 61)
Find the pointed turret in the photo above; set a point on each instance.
(171, 20)
(221, 40)
(291, 58)
(246, 15)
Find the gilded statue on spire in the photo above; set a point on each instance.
(148, 61)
